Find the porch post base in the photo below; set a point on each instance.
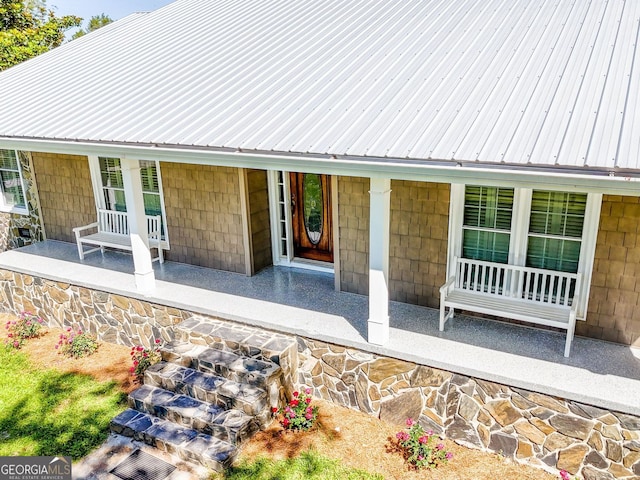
(378, 331)
(145, 282)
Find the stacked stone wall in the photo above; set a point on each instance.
(112, 318)
(613, 312)
(65, 192)
(542, 430)
(259, 218)
(204, 215)
(545, 431)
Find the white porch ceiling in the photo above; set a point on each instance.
(537, 82)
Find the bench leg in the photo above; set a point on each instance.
(80, 251)
(570, 332)
(160, 255)
(444, 316)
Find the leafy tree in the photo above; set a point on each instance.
(95, 23)
(28, 28)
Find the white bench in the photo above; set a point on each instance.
(533, 295)
(112, 231)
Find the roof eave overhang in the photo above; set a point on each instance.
(444, 171)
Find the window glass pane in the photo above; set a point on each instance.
(488, 246)
(553, 254)
(111, 173)
(114, 199)
(555, 230)
(12, 188)
(10, 180)
(557, 213)
(8, 160)
(152, 204)
(149, 176)
(487, 223)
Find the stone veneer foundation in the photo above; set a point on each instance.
(549, 432)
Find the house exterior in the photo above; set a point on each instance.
(375, 141)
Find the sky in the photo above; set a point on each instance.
(115, 9)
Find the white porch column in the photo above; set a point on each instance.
(145, 278)
(380, 196)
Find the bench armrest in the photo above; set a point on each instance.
(78, 230)
(447, 286)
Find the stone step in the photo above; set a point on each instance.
(232, 366)
(239, 339)
(210, 388)
(190, 445)
(232, 426)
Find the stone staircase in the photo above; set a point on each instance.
(213, 389)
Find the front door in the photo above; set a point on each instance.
(311, 216)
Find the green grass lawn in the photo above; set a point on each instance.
(306, 466)
(46, 412)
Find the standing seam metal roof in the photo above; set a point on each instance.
(542, 82)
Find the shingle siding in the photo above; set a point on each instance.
(66, 194)
(203, 215)
(259, 218)
(613, 312)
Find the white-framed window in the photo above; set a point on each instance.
(12, 186)
(280, 215)
(533, 227)
(109, 187)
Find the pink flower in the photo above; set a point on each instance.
(132, 369)
(307, 400)
(307, 391)
(402, 436)
(10, 335)
(423, 439)
(69, 329)
(429, 432)
(565, 475)
(409, 422)
(274, 409)
(440, 446)
(295, 394)
(16, 344)
(449, 456)
(420, 458)
(308, 416)
(157, 341)
(285, 422)
(56, 347)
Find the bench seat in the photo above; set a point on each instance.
(526, 311)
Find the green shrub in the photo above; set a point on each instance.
(26, 326)
(76, 344)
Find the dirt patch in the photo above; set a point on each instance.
(361, 441)
(109, 363)
(354, 438)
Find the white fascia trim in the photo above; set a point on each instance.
(427, 171)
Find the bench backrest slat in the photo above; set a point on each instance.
(112, 221)
(518, 282)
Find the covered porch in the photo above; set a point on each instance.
(305, 303)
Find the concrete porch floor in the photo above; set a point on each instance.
(305, 303)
